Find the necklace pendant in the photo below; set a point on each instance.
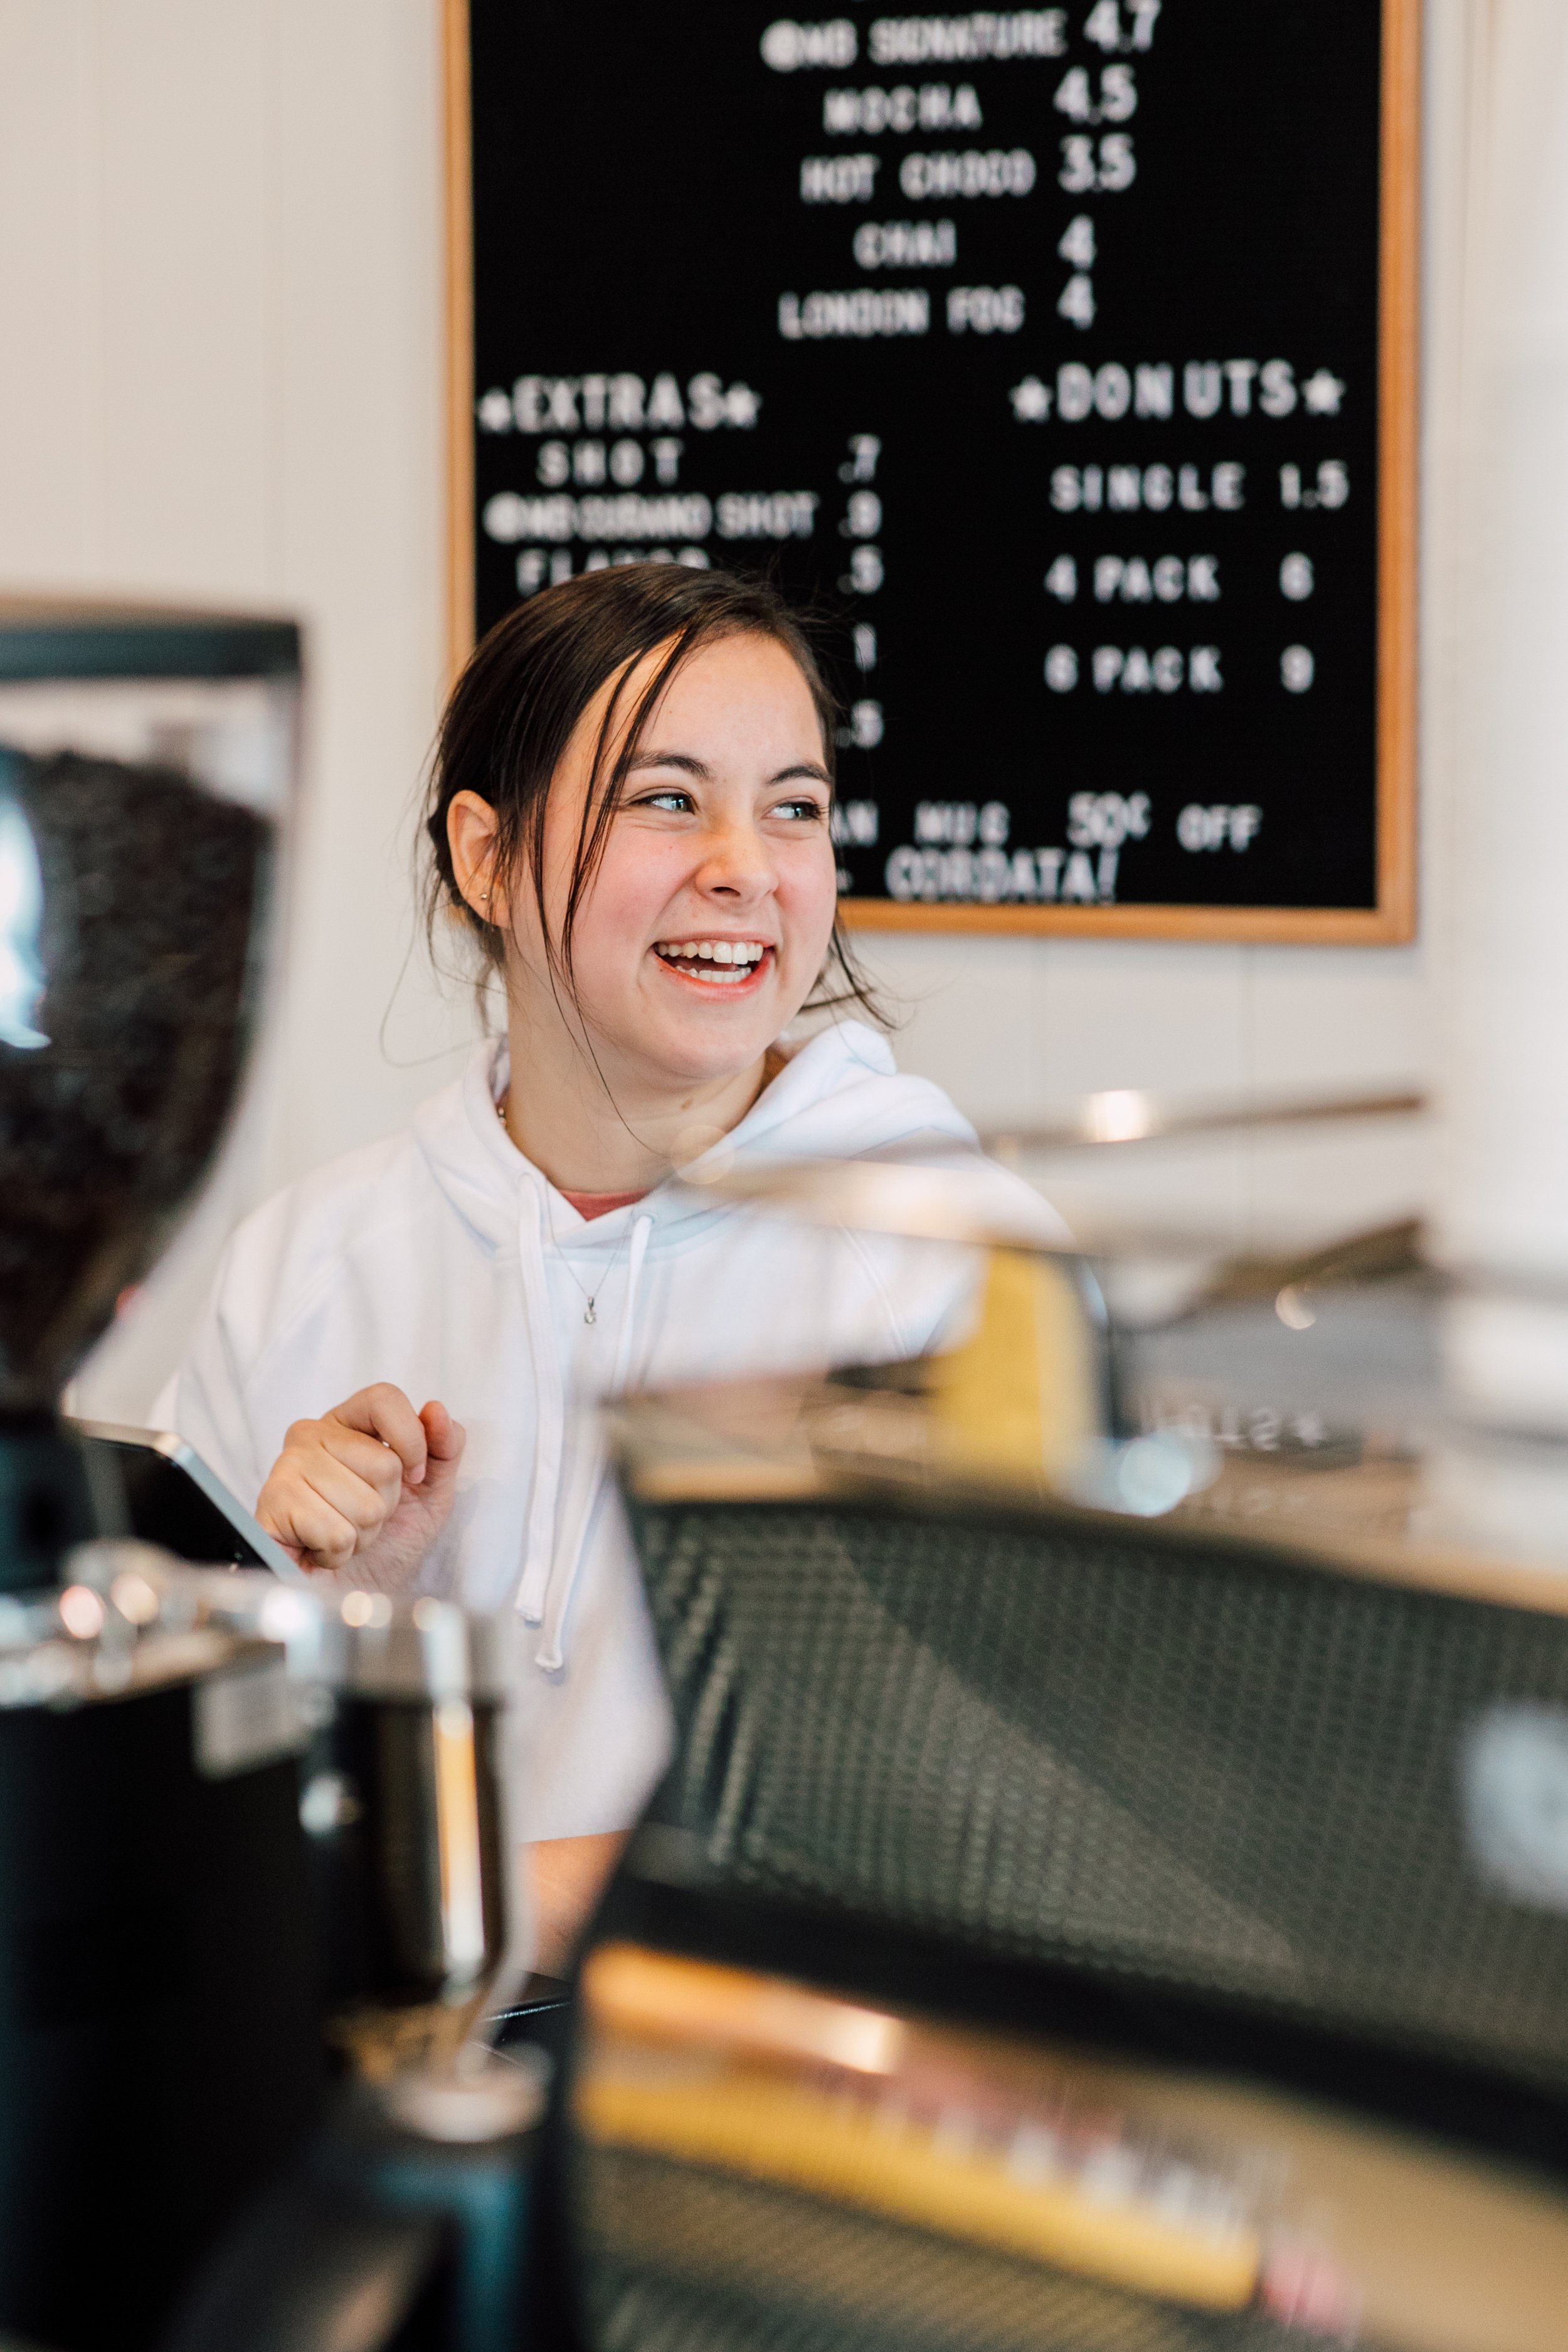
(590, 1317)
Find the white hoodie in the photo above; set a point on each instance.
(444, 1262)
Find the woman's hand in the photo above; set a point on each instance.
(366, 1489)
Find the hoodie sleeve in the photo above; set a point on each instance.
(262, 1354)
(204, 1401)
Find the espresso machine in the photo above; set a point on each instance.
(250, 1836)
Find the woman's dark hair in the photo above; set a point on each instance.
(527, 684)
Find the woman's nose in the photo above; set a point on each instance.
(735, 863)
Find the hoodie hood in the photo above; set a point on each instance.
(819, 1106)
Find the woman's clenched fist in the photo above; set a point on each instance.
(364, 1491)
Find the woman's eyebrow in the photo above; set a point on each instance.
(683, 760)
(692, 766)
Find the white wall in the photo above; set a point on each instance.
(1507, 1204)
(221, 288)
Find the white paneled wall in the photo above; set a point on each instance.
(222, 305)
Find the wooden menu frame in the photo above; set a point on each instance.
(1393, 919)
(459, 337)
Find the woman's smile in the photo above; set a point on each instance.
(735, 964)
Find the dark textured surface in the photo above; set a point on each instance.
(687, 2260)
(1102, 1783)
(1202, 1770)
(152, 892)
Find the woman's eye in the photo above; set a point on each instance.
(807, 812)
(681, 803)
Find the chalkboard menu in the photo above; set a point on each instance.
(1062, 359)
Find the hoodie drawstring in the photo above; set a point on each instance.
(641, 1230)
(587, 1484)
(549, 1412)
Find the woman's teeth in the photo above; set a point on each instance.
(721, 961)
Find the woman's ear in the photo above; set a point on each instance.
(472, 833)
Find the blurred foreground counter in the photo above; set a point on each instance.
(1444, 1509)
(761, 2161)
(1259, 1695)
(1112, 1890)
(1294, 1401)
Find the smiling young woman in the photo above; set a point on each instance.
(630, 817)
(678, 903)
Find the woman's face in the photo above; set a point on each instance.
(706, 925)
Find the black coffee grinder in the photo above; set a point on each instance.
(146, 760)
(159, 2032)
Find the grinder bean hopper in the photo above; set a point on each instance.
(146, 759)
